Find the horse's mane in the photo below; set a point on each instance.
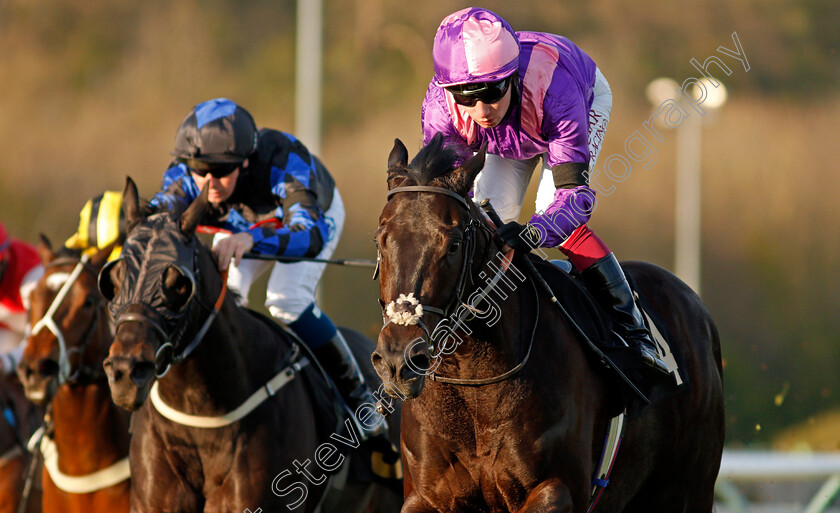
(431, 166)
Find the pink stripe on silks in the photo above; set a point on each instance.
(462, 121)
(487, 46)
(535, 83)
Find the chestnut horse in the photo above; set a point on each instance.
(85, 448)
(234, 419)
(18, 421)
(507, 412)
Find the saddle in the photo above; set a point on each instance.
(608, 354)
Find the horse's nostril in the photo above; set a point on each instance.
(26, 370)
(385, 370)
(47, 368)
(416, 365)
(376, 359)
(142, 373)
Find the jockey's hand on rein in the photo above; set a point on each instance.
(520, 237)
(232, 247)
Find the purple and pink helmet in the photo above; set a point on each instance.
(474, 45)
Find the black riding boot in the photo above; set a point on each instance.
(606, 281)
(337, 359)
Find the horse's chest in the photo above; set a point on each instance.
(487, 482)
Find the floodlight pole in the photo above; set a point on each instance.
(308, 74)
(688, 202)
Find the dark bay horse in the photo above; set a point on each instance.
(85, 450)
(233, 421)
(523, 429)
(18, 420)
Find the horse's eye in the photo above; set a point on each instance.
(454, 246)
(88, 302)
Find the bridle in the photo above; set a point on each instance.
(457, 301)
(48, 321)
(171, 350)
(467, 253)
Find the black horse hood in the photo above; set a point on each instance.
(153, 247)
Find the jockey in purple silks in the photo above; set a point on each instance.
(532, 95)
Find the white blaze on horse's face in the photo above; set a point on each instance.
(56, 281)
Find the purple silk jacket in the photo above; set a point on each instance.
(556, 79)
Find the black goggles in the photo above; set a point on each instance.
(487, 92)
(217, 170)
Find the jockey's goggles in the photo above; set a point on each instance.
(487, 92)
(216, 170)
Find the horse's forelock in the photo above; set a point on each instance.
(431, 163)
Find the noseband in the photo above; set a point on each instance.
(171, 351)
(48, 320)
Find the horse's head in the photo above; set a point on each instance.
(429, 232)
(154, 292)
(70, 330)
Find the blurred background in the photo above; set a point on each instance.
(93, 91)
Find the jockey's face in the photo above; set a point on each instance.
(489, 115)
(220, 188)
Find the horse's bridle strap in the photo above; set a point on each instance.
(427, 188)
(501, 377)
(201, 332)
(48, 321)
(11, 454)
(459, 287)
(143, 319)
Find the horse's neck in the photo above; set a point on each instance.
(217, 375)
(90, 431)
(500, 336)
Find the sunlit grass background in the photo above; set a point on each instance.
(93, 91)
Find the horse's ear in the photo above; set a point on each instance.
(464, 176)
(131, 205)
(398, 156)
(195, 212)
(397, 162)
(45, 249)
(101, 256)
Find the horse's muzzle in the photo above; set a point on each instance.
(40, 381)
(406, 372)
(129, 379)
